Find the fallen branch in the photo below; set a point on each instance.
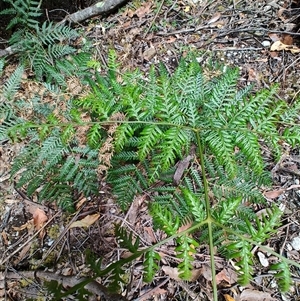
(100, 8)
(67, 281)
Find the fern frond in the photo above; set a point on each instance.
(226, 210)
(186, 247)
(150, 137)
(164, 219)
(221, 144)
(13, 83)
(116, 278)
(241, 251)
(283, 275)
(25, 13)
(267, 225)
(223, 89)
(196, 205)
(126, 240)
(151, 265)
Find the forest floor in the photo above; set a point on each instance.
(262, 39)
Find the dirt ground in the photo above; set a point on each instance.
(262, 39)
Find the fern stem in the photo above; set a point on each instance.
(212, 260)
(209, 218)
(159, 123)
(205, 183)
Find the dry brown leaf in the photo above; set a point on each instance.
(154, 292)
(81, 203)
(28, 226)
(278, 46)
(86, 221)
(273, 194)
(293, 186)
(222, 276)
(287, 39)
(214, 18)
(228, 297)
(149, 235)
(206, 272)
(274, 37)
(173, 273)
(185, 227)
(39, 218)
(149, 53)
(143, 10)
(254, 295)
(26, 248)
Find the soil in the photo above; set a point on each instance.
(234, 33)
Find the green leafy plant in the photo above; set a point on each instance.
(46, 47)
(139, 131)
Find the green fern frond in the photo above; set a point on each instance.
(186, 248)
(25, 13)
(196, 205)
(13, 83)
(150, 265)
(2, 64)
(94, 135)
(164, 219)
(123, 133)
(283, 275)
(126, 240)
(222, 91)
(116, 278)
(226, 210)
(150, 136)
(268, 223)
(221, 144)
(241, 251)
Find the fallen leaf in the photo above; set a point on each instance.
(214, 18)
(222, 276)
(187, 9)
(28, 226)
(154, 292)
(149, 235)
(206, 272)
(293, 186)
(143, 10)
(228, 297)
(26, 248)
(274, 37)
(273, 194)
(287, 39)
(278, 46)
(81, 203)
(86, 221)
(254, 295)
(39, 218)
(149, 53)
(173, 273)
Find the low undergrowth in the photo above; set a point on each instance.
(190, 141)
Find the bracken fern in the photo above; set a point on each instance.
(139, 131)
